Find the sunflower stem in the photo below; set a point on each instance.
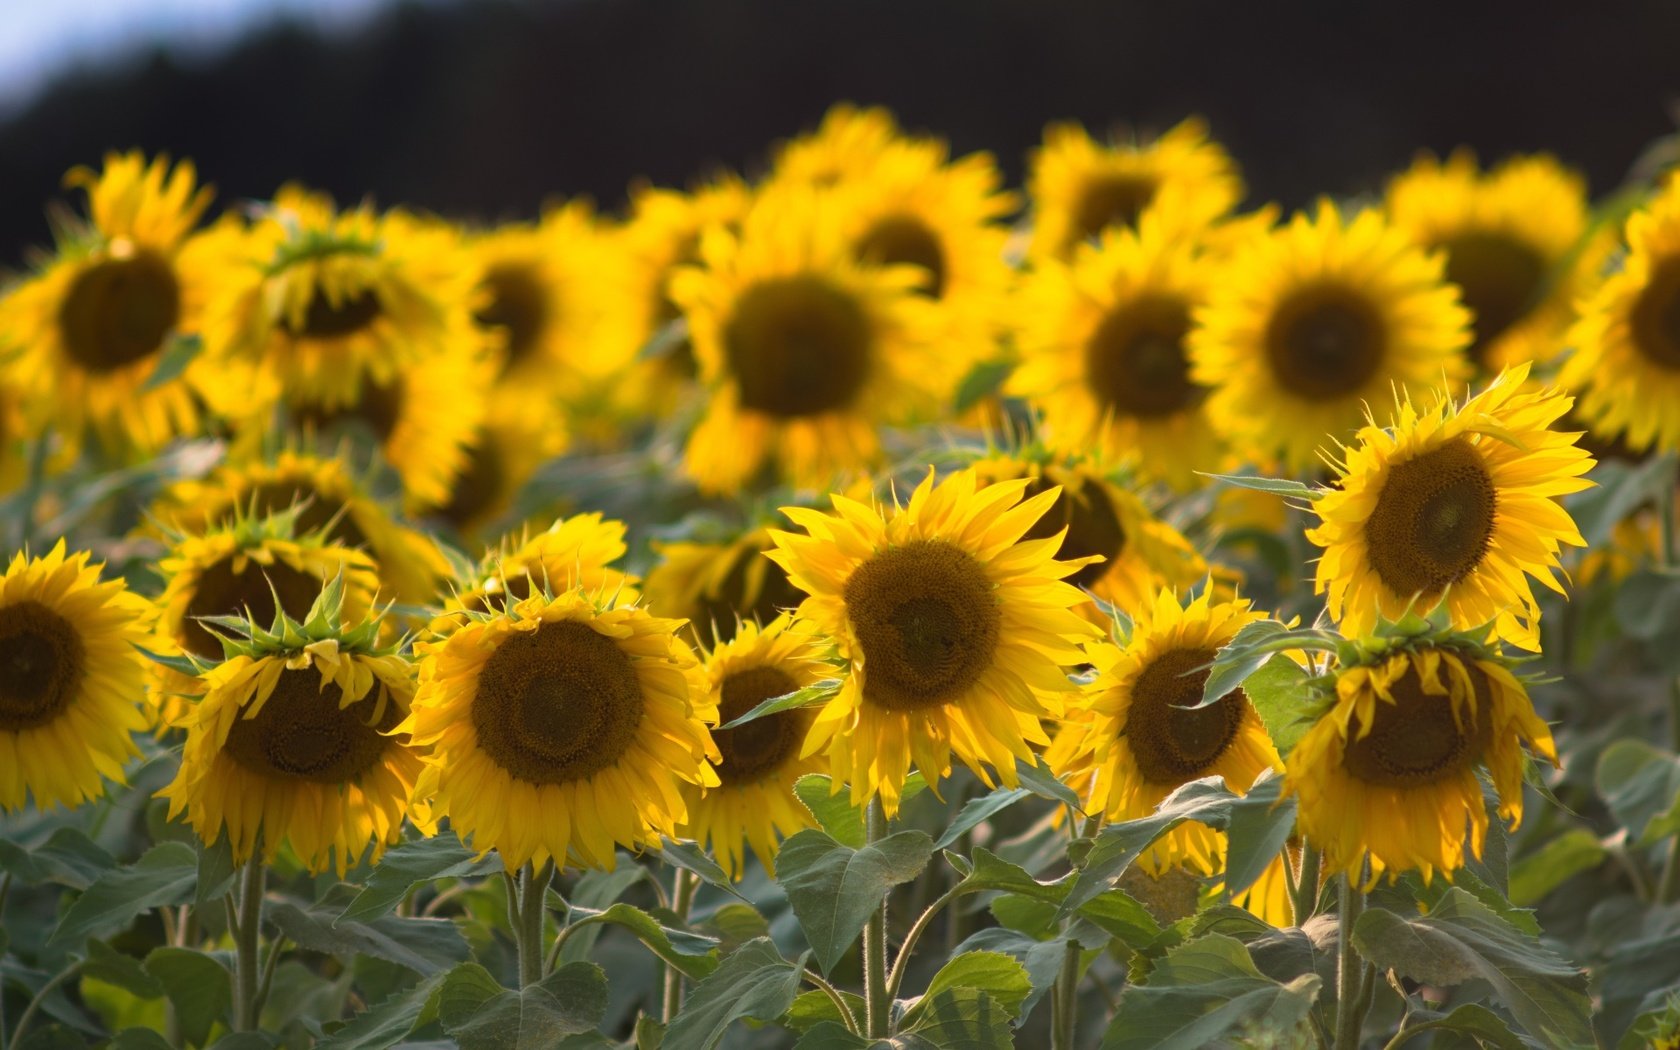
(532, 885)
(247, 942)
(684, 887)
(1350, 968)
(1668, 886)
(1305, 897)
(896, 977)
(1064, 1004)
(877, 1003)
(34, 1006)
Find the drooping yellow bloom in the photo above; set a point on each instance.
(1308, 325)
(1080, 187)
(573, 552)
(561, 728)
(1507, 237)
(753, 804)
(1453, 503)
(293, 745)
(1389, 773)
(71, 679)
(93, 325)
(803, 350)
(955, 630)
(718, 586)
(1626, 365)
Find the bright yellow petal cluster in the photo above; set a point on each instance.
(717, 587)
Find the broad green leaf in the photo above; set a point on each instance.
(815, 693)
(482, 1015)
(1462, 939)
(413, 864)
(691, 858)
(1241, 657)
(814, 1007)
(1001, 977)
(1259, 826)
(1278, 691)
(177, 354)
(988, 871)
(650, 1033)
(963, 1019)
(105, 963)
(1622, 489)
(735, 925)
(1485, 1026)
(1544, 870)
(691, 953)
(1647, 605)
(1118, 845)
(216, 870)
(1122, 916)
(1039, 779)
(139, 1039)
(385, 1023)
(834, 889)
(595, 890)
(834, 810)
(1203, 992)
(68, 858)
(52, 1037)
(983, 380)
(199, 986)
(833, 1035)
(1042, 960)
(1641, 784)
(979, 810)
(166, 874)
(754, 982)
(426, 946)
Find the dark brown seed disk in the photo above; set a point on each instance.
(119, 310)
(797, 346)
(301, 733)
(1325, 342)
(1415, 740)
(1170, 743)
(1433, 521)
(763, 745)
(42, 665)
(1135, 363)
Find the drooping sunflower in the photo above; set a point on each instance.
(293, 743)
(753, 804)
(1311, 323)
(1507, 237)
(1389, 773)
(955, 630)
(844, 148)
(71, 679)
(1455, 504)
(1080, 187)
(1626, 364)
(1138, 554)
(803, 350)
(1101, 341)
(573, 552)
(562, 727)
(717, 587)
(94, 323)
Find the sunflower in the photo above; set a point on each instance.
(15, 433)
(573, 552)
(1507, 236)
(718, 587)
(1390, 771)
(1101, 341)
(1126, 552)
(803, 349)
(562, 727)
(94, 324)
(507, 452)
(1453, 504)
(844, 148)
(754, 801)
(294, 743)
(955, 629)
(1626, 364)
(1080, 187)
(71, 679)
(1307, 325)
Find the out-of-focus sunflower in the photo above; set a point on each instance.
(1507, 237)
(955, 629)
(844, 148)
(573, 552)
(1080, 187)
(1311, 323)
(1454, 503)
(753, 804)
(1101, 341)
(1139, 553)
(71, 679)
(507, 452)
(94, 323)
(329, 500)
(1626, 364)
(1389, 772)
(562, 727)
(803, 350)
(718, 586)
(14, 434)
(293, 743)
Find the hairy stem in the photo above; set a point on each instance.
(682, 899)
(1306, 890)
(877, 1002)
(533, 883)
(247, 942)
(834, 997)
(1064, 1023)
(1350, 968)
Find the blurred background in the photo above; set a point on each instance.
(487, 107)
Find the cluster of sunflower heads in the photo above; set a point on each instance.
(1129, 620)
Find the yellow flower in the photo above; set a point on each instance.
(93, 325)
(1389, 772)
(508, 451)
(561, 728)
(71, 679)
(955, 630)
(844, 148)
(573, 552)
(1080, 188)
(754, 804)
(1454, 503)
(717, 587)
(1307, 325)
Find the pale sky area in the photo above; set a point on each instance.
(41, 38)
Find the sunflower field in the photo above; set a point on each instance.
(858, 606)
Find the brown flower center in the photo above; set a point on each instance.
(118, 311)
(378, 407)
(1655, 318)
(763, 745)
(1135, 363)
(797, 346)
(519, 305)
(223, 592)
(926, 618)
(477, 486)
(906, 239)
(1416, 740)
(42, 665)
(1501, 278)
(557, 704)
(1170, 743)
(1092, 524)
(1325, 342)
(302, 733)
(1433, 520)
(330, 319)
(1110, 200)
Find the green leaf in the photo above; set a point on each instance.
(754, 982)
(177, 354)
(1274, 486)
(1042, 782)
(814, 1007)
(385, 1023)
(691, 858)
(1641, 784)
(815, 693)
(1647, 605)
(834, 810)
(426, 946)
(53, 1037)
(1622, 489)
(963, 1019)
(139, 1039)
(1485, 1026)
(1120, 915)
(1259, 826)
(166, 874)
(833, 1035)
(650, 1033)
(1042, 960)
(215, 870)
(1278, 691)
(834, 889)
(1544, 870)
(1203, 992)
(198, 986)
(988, 871)
(413, 864)
(1462, 939)
(68, 858)
(691, 953)
(979, 810)
(983, 380)
(735, 925)
(482, 1015)
(105, 963)
(1118, 845)
(1002, 978)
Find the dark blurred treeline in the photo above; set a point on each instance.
(486, 107)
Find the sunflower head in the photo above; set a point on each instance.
(1455, 503)
(844, 148)
(573, 552)
(955, 629)
(720, 586)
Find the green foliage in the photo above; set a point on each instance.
(834, 889)
(482, 1015)
(754, 982)
(1203, 992)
